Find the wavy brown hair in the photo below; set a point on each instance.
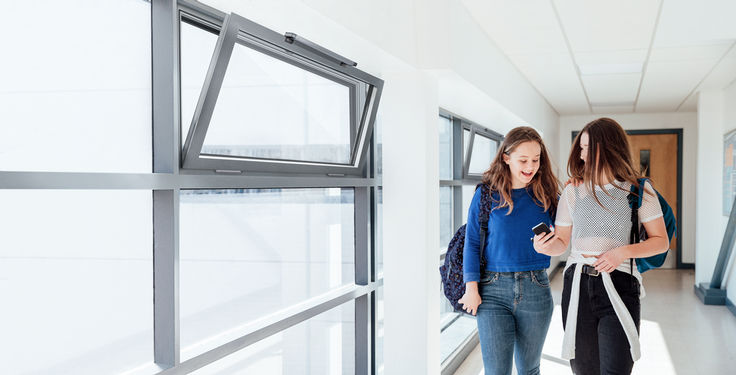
(544, 185)
(608, 153)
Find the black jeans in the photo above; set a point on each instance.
(601, 346)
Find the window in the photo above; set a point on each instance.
(279, 247)
(466, 151)
(81, 103)
(483, 146)
(280, 102)
(75, 276)
(186, 269)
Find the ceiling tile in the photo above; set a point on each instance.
(723, 74)
(519, 27)
(613, 109)
(667, 84)
(611, 57)
(712, 52)
(611, 88)
(556, 79)
(608, 25)
(685, 22)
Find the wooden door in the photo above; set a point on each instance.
(662, 152)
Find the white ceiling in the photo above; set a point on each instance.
(591, 56)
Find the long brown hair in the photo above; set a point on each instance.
(608, 153)
(544, 185)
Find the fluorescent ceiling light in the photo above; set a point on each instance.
(599, 69)
(611, 104)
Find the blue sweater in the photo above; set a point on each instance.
(508, 247)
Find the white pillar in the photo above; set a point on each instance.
(709, 219)
(409, 116)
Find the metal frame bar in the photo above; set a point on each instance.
(236, 29)
(325, 303)
(165, 132)
(170, 181)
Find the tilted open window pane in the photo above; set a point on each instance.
(483, 151)
(270, 109)
(195, 53)
(466, 143)
(271, 102)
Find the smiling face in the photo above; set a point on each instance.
(523, 163)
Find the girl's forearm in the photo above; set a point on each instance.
(558, 247)
(652, 246)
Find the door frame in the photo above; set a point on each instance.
(678, 132)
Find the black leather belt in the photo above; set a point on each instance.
(590, 270)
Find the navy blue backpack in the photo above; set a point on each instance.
(452, 271)
(638, 233)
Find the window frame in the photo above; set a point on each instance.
(365, 92)
(460, 165)
(476, 129)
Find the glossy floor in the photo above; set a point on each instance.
(679, 335)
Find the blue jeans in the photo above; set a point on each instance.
(513, 320)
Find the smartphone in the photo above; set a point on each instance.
(541, 229)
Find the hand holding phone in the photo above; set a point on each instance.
(541, 229)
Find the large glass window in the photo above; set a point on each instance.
(279, 247)
(81, 101)
(75, 280)
(324, 344)
(458, 179)
(195, 269)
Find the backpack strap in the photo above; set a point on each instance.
(635, 202)
(486, 205)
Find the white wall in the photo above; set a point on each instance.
(431, 55)
(709, 219)
(688, 122)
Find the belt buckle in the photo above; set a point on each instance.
(590, 270)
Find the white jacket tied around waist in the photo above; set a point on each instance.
(595, 231)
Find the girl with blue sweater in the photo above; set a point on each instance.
(511, 296)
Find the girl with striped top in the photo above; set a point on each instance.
(601, 292)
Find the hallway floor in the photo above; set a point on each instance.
(679, 335)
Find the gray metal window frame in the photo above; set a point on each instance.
(365, 93)
(476, 129)
(167, 180)
(461, 177)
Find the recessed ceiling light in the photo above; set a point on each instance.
(599, 69)
(611, 104)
